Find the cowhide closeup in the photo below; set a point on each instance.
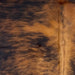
(37, 37)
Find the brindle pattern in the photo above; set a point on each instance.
(29, 37)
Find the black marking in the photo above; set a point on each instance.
(3, 1)
(16, 16)
(5, 55)
(49, 55)
(72, 63)
(3, 15)
(4, 41)
(73, 1)
(24, 11)
(40, 41)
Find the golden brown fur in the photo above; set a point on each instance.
(29, 37)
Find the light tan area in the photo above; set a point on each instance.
(67, 29)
